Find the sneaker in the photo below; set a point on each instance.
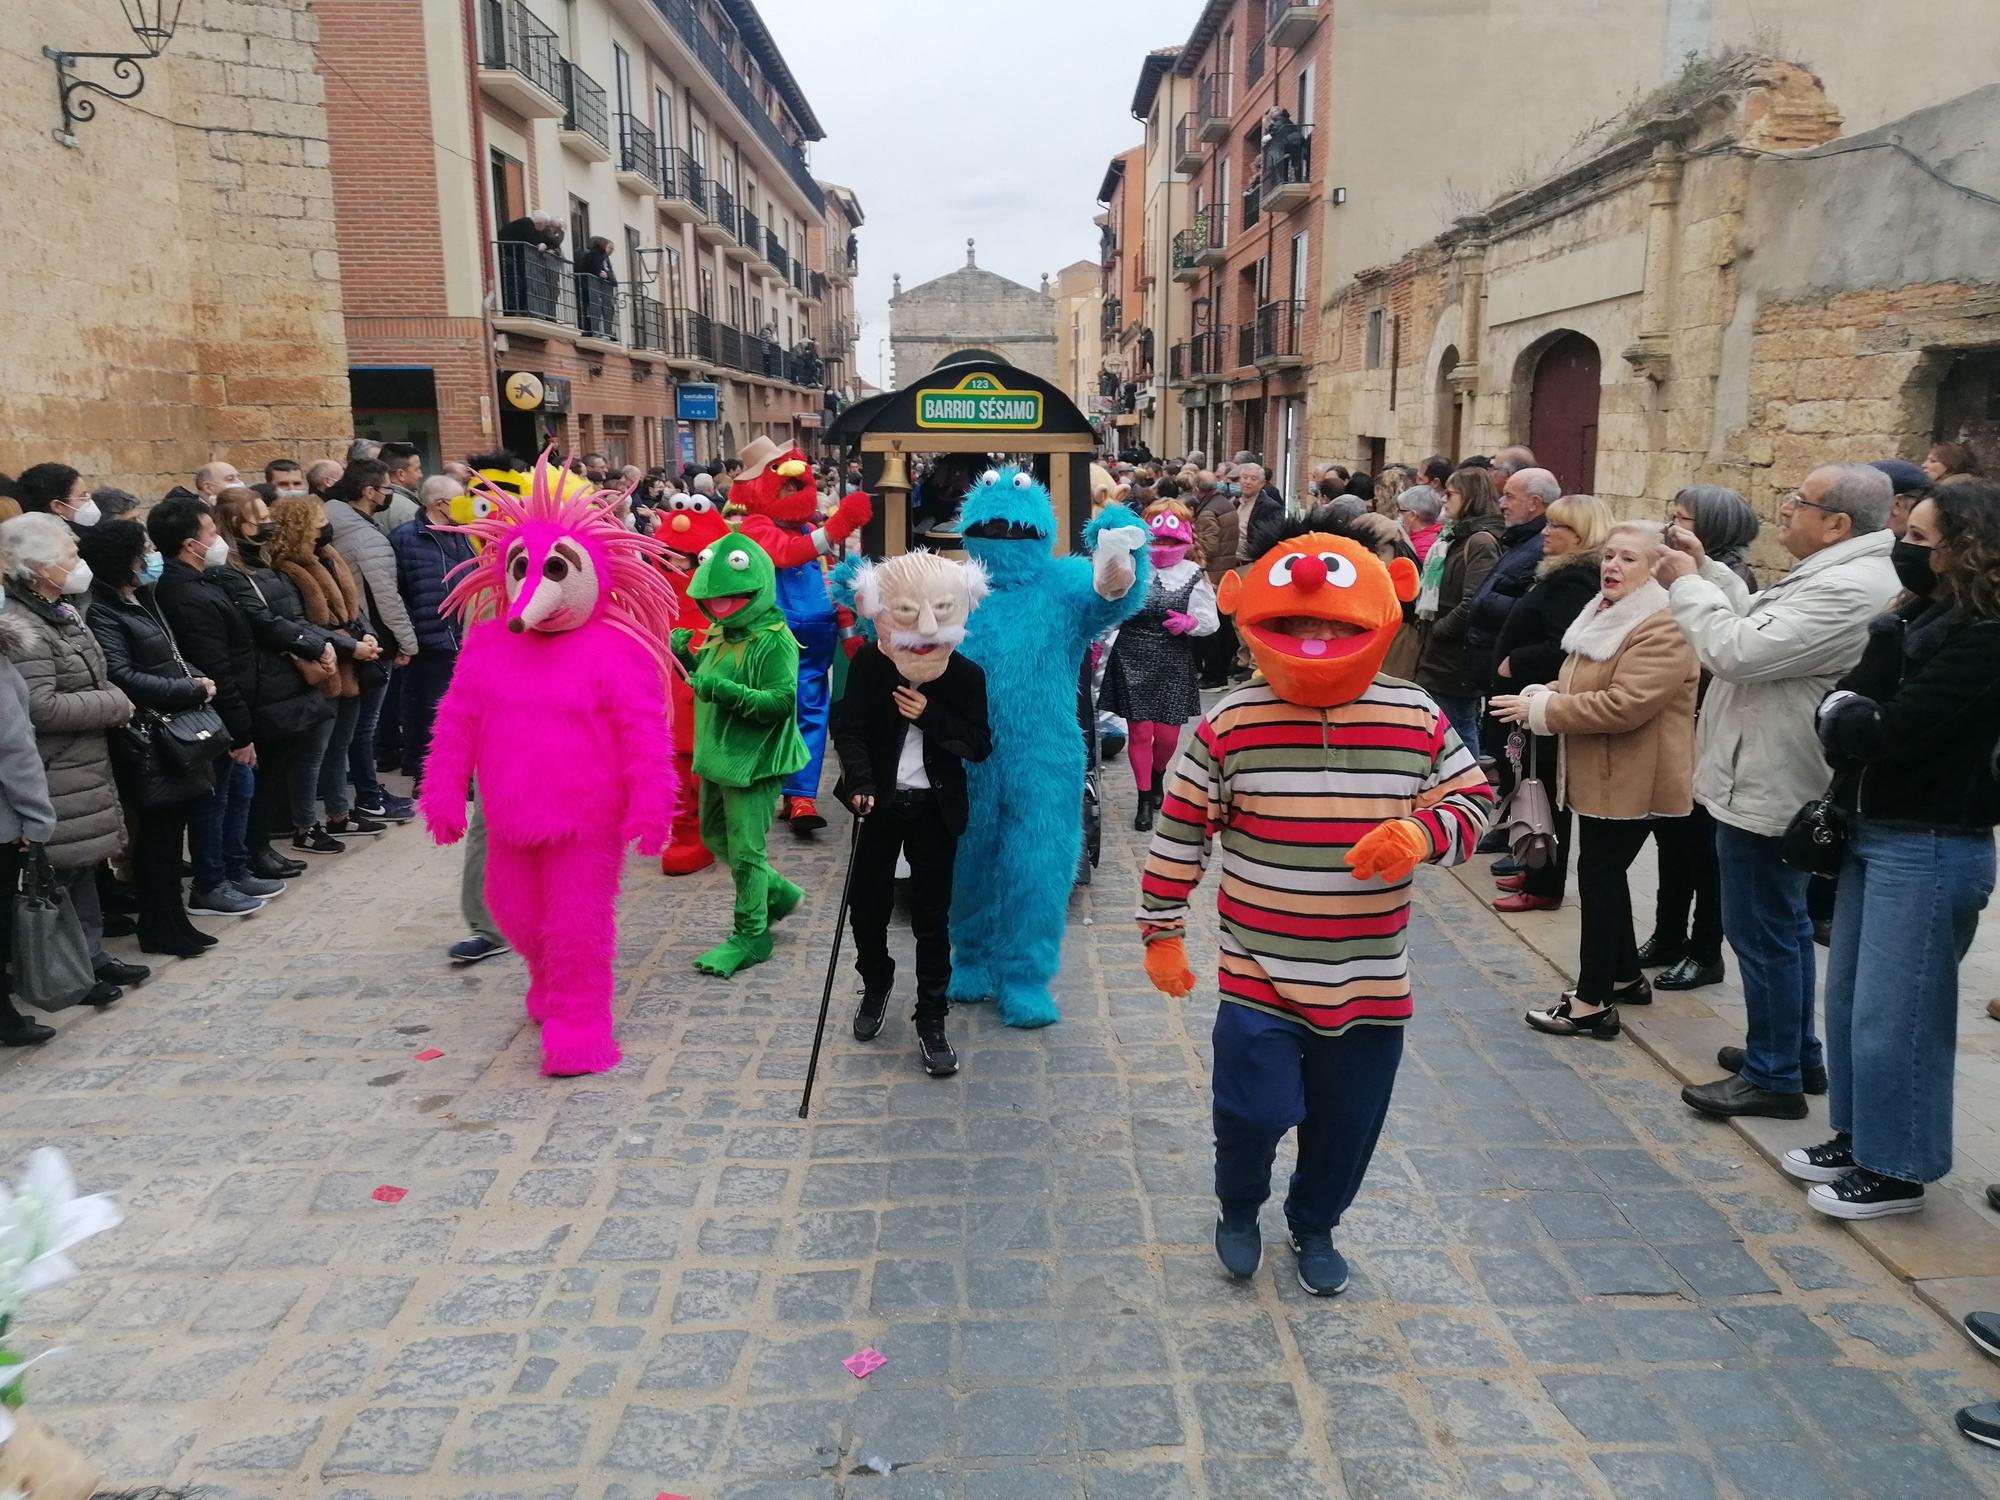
(1501, 868)
(354, 825)
(1863, 1194)
(259, 890)
(223, 901)
(1983, 1328)
(868, 1015)
(1322, 1269)
(476, 949)
(1829, 1161)
(384, 805)
(315, 840)
(1981, 1423)
(269, 864)
(1732, 1059)
(129, 975)
(939, 1060)
(1239, 1248)
(1493, 841)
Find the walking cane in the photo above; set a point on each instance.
(832, 963)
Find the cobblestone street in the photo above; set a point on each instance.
(645, 1283)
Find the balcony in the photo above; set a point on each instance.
(1112, 319)
(1187, 269)
(1177, 366)
(1287, 181)
(1277, 328)
(537, 290)
(1292, 24)
(1214, 245)
(649, 323)
(683, 189)
(1207, 356)
(703, 341)
(845, 264)
(1211, 110)
(1187, 145)
(779, 257)
(816, 285)
(638, 156)
(1107, 247)
(586, 128)
(748, 244)
(1251, 210)
(519, 62)
(719, 228)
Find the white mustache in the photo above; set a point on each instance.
(909, 640)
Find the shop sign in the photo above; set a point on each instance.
(980, 403)
(523, 390)
(696, 401)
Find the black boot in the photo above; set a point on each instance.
(939, 1060)
(868, 1015)
(16, 1030)
(1142, 821)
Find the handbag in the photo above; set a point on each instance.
(150, 770)
(51, 962)
(1816, 839)
(1527, 817)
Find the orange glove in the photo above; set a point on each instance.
(1389, 851)
(848, 517)
(1167, 966)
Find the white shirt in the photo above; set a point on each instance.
(910, 772)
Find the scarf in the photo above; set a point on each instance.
(1432, 577)
(1598, 634)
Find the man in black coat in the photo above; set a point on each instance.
(1524, 501)
(913, 713)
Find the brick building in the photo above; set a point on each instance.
(1160, 98)
(1128, 346)
(674, 130)
(834, 245)
(173, 291)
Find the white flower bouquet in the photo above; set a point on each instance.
(41, 1221)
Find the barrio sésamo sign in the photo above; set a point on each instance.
(980, 402)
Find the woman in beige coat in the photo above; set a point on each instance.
(1624, 706)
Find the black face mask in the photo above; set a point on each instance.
(1913, 568)
(265, 530)
(326, 536)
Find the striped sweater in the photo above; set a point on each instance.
(1290, 790)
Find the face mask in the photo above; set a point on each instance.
(326, 536)
(263, 532)
(216, 554)
(151, 568)
(1913, 568)
(79, 579)
(291, 492)
(86, 514)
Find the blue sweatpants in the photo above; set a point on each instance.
(1274, 1075)
(818, 639)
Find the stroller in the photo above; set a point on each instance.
(1093, 789)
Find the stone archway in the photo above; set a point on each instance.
(1563, 394)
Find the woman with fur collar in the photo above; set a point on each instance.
(1624, 707)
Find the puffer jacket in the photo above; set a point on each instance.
(368, 552)
(140, 654)
(1469, 556)
(425, 557)
(25, 809)
(282, 703)
(71, 703)
(214, 636)
(1774, 655)
(1512, 576)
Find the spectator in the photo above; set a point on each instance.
(350, 505)
(406, 472)
(1687, 912)
(1457, 565)
(323, 476)
(216, 639)
(1511, 461)
(286, 477)
(1942, 462)
(1624, 706)
(1530, 653)
(1215, 539)
(1389, 486)
(703, 484)
(451, 468)
(1524, 502)
(114, 504)
(211, 479)
(1421, 510)
(1434, 471)
(596, 288)
(1361, 487)
(300, 549)
(1758, 761)
(71, 703)
(26, 817)
(597, 469)
(1912, 730)
(530, 264)
(1911, 483)
(1259, 510)
(1389, 541)
(425, 558)
(363, 450)
(291, 717)
(143, 662)
(58, 490)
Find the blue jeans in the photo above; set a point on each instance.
(333, 793)
(1907, 911)
(219, 831)
(1764, 918)
(361, 749)
(1463, 714)
(302, 777)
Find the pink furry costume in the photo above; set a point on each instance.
(559, 706)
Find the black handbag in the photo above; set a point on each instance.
(191, 738)
(151, 772)
(1816, 839)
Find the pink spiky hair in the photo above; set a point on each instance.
(630, 566)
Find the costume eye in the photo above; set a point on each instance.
(1339, 571)
(481, 509)
(517, 565)
(991, 476)
(740, 561)
(700, 506)
(1281, 570)
(1023, 481)
(677, 503)
(706, 554)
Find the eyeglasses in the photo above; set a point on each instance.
(1795, 499)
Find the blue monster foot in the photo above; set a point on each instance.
(971, 984)
(1027, 1005)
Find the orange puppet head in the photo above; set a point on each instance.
(1318, 611)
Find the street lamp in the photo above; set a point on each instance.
(153, 22)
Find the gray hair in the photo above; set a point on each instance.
(543, 216)
(1512, 460)
(704, 484)
(1541, 484)
(439, 487)
(1198, 458)
(35, 540)
(1862, 493)
(1343, 508)
(1423, 502)
(363, 449)
(1723, 520)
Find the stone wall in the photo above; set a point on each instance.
(172, 292)
(972, 309)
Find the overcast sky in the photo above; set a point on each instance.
(952, 120)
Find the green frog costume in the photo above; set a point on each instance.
(746, 736)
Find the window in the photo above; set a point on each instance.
(1228, 56)
(1297, 285)
(635, 268)
(663, 113)
(621, 77)
(676, 292)
(1372, 351)
(579, 225)
(729, 174)
(735, 305)
(757, 315)
(698, 147)
(1263, 279)
(707, 292)
(1395, 357)
(510, 188)
(1302, 96)
(1221, 187)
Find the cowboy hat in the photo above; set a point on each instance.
(757, 456)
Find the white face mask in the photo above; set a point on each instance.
(216, 554)
(86, 514)
(78, 581)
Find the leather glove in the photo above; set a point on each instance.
(1389, 851)
(1167, 966)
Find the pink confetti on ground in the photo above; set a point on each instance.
(387, 1194)
(663, 1495)
(430, 1055)
(864, 1364)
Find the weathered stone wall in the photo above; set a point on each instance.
(171, 291)
(972, 309)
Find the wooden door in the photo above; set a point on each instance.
(1562, 414)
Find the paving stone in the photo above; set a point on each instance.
(1775, 1471)
(798, 1438)
(1228, 1345)
(713, 1295)
(1487, 1412)
(1143, 1482)
(1718, 1270)
(524, 1439)
(391, 1440)
(1780, 1333)
(1014, 1349)
(1121, 1418)
(1367, 1416)
(693, 1361)
(1812, 1270)
(279, 1449)
(1546, 1476)
(1443, 1341)
(1729, 1404)
(1622, 1411)
(657, 1441)
(1402, 1477)
(1247, 1417)
(480, 1300)
(1891, 1329)
(1011, 1422)
(470, 1365)
(1622, 1271)
(1674, 1335)
(1655, 1476)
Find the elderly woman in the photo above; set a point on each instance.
(144, 662)
(71, 703)
(1624, 706)
(1421, 510)
(1452, 573)
(26, 817)
(1529, 653)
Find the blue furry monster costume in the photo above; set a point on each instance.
(1017, 857)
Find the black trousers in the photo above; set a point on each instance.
(1690, 877)
(158, 834)
(909, 824)
(271, 804)
(1215, 652)
(1608, 954)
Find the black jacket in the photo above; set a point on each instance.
(1531, 639)
(868, 731)
(214, 636)
(140, 654)
(1512, 576)
(1915, 746)
(282, 703)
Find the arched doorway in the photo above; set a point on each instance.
(1449, 408)
(1562, 412)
